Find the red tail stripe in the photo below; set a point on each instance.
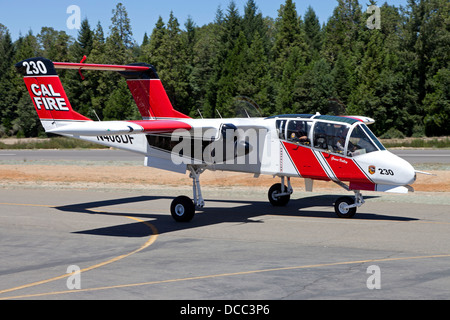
(161, 126)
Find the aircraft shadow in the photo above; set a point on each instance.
(242, 212)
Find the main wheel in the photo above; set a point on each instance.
(340, 207)
(274, 199)
(182, 209)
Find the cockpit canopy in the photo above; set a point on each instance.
(347, 137)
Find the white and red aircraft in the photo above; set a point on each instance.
(341, 149)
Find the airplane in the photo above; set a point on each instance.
(341, 149)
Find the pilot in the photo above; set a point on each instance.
(299, 135)
(340, 139)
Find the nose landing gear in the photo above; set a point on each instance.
(345, 207)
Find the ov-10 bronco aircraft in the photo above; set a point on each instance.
(340, 149)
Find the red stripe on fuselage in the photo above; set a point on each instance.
(345, 169)
(305, 161)
(308, 166)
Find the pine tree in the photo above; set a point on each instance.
(121, 25)
(99, 81)
(27, 123)
(437, 104)
(83, 45)
(288, 31)
(174, 68)
(314, 89)
(7, 93)
(151, 52)
(259, 85)
(231, 83)
(253, 22)
(342, 29)
(228, 33)
(313, 33)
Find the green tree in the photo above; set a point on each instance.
(84, 43)
(8, 75)
(314, 89)
(173, 66)
(343, 29)
(231, 83)
(313, 33)
(121, 25)
(437, 104)
(27, 122)
(151, 52)
(253, 23)
(229, 29)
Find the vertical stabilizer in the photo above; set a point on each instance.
(149, 94)
(46, 91)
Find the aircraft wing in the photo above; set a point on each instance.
(105, 128)
(366, 120)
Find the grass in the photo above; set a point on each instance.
(50, 143)
(436, 143)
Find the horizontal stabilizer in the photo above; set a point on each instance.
(100, 67)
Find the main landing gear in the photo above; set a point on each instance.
(182, 207)
(280, 194)
(345, 207)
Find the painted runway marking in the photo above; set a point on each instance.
(229, 275)
(148, 243)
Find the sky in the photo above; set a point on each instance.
(22, 16)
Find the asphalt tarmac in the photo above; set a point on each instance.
(238, 247)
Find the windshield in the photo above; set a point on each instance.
(360, 143)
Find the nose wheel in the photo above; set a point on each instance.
(345, 207)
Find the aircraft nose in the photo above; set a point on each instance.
(406, 172)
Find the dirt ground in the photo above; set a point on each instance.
(128, 176)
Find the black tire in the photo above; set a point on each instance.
(182, 209)
(278, 201)
(341, 211)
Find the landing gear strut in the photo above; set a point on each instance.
(182, 207)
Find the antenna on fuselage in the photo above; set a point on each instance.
(96, 115)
